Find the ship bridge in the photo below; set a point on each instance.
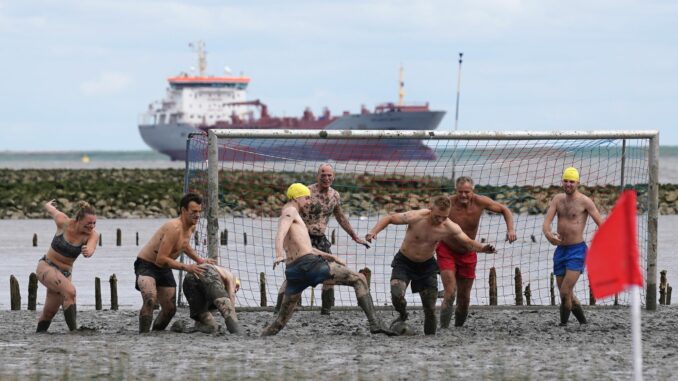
(185, 81)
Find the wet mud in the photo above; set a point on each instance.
(495, 344)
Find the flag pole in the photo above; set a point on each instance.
(636, 343)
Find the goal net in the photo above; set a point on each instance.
(381, 172)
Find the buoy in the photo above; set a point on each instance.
(85, 158)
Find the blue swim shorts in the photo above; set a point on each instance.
(569, 257)
(306, 271)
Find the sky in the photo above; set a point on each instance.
(77, 74)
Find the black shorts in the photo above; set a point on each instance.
(202, 292)
(423, 275)
(163, 275)
(321, 243)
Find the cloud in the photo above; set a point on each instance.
(109, 82)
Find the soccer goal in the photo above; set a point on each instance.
(243, 175)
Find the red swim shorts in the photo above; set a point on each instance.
(464, 264)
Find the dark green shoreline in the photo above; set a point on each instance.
(138, 193)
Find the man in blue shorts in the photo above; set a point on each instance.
(307, 266)
(573, 209)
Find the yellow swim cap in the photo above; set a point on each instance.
(237, 281)
(571, 174)
(297, 190)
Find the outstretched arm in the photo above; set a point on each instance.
(346, 225)
(457, 237)
(191, 253)
(164, 259)
(328, 257)
(496, 207)
(59, 218)
(394, 219)
(284, 223)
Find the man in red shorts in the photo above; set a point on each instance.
(458, 267)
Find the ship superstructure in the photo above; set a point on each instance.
(200, 102)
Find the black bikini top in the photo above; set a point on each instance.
(65, 248)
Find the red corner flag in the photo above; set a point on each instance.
(612, 260)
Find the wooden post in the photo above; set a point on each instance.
(333, 236)
(196, 239)
(15, 293)
(221, 238)
(114, 292)
(100, 239)
(137, 239)
(668, 295)
(527, 294)
(118, 237)
(32, 291)
(592, 300)
(35, 239)
(662, 287)
(244, 237)
(493, 286)
(616, 300)
(518, 287)
(312, 296)
(262, 289)
(553, 292)
(226, 237)
(368, 275)
(97, 293)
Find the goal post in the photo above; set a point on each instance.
(243, 174)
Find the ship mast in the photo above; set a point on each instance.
(199, 47)
(401, 88)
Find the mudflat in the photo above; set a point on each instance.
(501, 343)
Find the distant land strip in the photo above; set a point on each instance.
(154, 193)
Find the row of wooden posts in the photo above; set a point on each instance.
(15, 293)
(118, 238)
(223, 238)
(664, 289)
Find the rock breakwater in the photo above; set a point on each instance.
(135, 193)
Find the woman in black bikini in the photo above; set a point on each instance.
(73, 237)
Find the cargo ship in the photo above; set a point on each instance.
(195, 103)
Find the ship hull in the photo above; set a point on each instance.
(170, 139)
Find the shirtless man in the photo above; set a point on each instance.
(458, 266)
(158, 257)
(214, 289)
(573, 210)
(308, 266)
(415, 261)
(325, 201)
